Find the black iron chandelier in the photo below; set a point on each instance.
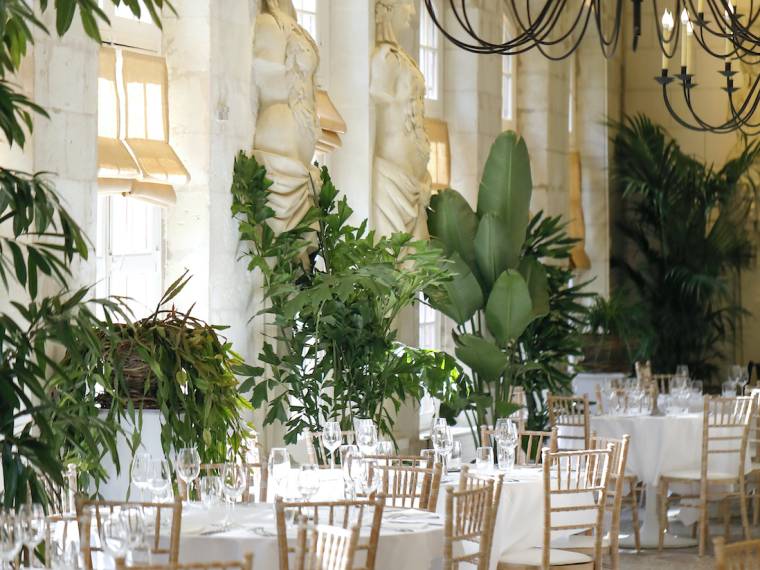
(556, 28)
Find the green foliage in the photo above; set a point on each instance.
(686, 223)
(333, 292)
(170, 361)
(498, 290)
(36, 329)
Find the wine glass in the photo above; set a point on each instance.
(505, 456)
(141, 472)
(506, 431)
(234, 482)
(443, 440)
(33, 526)
(331, 439)
(10, 537)
(308, 481)
(211, 490)
(159, 481)
(366, 435)
(114, 535)
(136, 529)
(188, 464)
(682, 370)
(384, 447)
(279, 465)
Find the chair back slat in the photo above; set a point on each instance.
(743, 555)
(725, 431)
(529, 450)
(89, 511)
(245, 564)
(325, 547)
(410, 487)
(342, 513)
(570, 415)
(470, 515)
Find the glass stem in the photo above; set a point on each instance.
(332, 460)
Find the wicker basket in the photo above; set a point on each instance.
(135, 372)
(605, 353)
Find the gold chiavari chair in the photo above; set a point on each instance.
(325, 547)
(89, 510)
(254, 472)
(738, 556)
(410, 487)
(616, 493)
(245, 564)
(470, 515)
(347, 436)
(570, 415)
(335, 513)
(583, 474)
(725, 428)
(531, 444)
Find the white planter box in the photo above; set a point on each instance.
(117, 485)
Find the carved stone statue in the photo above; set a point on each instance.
(285, 60)
(402, 150)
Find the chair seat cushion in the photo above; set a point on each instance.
(533, 557)
(696, 475)
(579, 541)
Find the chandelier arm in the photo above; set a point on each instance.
(454, 40)
(569, 33)
(529, 29)
(727, 126)
(546, 28)
(613, 40)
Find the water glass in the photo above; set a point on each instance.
(308, 481)
(33, 526)
(345, 452)
(443, 441)
(136, 527)
(234, 482)
(483, 458)
(211, 490)
(505, 456)
(141, 465)
(332, 437)
(188, 464)
(455, 459)
(728, 389)
(160, 479)
(279, 466)
(10, 537)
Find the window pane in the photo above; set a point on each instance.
(429, 54)
(136, 110)
(506, 97)
(107, 119)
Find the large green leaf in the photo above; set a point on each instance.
(459, 298)
(452, 222)
(484, 357)
(535, 276)
(506, 185)
(509, 308)
(495, 249)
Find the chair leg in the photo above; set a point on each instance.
(635, 517)
(663, 512)
(755, 508)
(745, 514)
(725, 506)
(703, 524)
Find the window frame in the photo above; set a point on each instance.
(130, 33)
(434, 107)
(509, 123)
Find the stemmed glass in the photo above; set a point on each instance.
(188, 466)
(366, 435)
(234, 482)
(114, 535)
(331, 439)
(136, 529)
(141, 472)
(159, 481)
(443, 441)
(279, 466)
(32, 523)
(682, 370)
(211, 490)
(506, 439)
(10, 538)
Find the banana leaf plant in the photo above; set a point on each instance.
(497, 290)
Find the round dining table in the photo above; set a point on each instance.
(659, 445)
(409, 539)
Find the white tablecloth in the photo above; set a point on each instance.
(411, 540)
